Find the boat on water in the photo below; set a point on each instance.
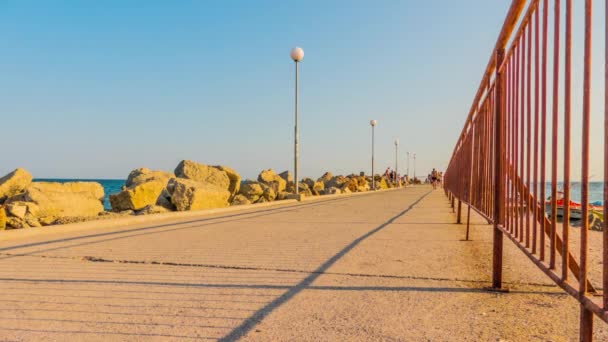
(576, 208)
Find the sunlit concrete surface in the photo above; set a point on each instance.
(381, 266)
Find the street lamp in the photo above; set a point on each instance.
(297, 54)
(414, 166)
(408, 164)
(396, 169)
(373, 123)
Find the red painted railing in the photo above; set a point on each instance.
(501, 162)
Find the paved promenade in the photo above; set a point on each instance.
(380, 266)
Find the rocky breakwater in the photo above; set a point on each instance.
(25, 204)
(191, 186)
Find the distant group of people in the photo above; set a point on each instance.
(394, 177)
(435, 178)
(390, 174)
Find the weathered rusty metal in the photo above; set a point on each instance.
(498, 176)
(605, 212)
(567, 119)
(555, 121)
(586, 330)
(499, 164)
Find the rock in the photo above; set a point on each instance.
(192, 195)
(284, 195)
(327, 176)
(351, 184)
(16, 223)
(318, 188)
(72, 219)
(63, 200)
(164, 200)
(337, 182)
(14, 183)
(362, 183)
(203, 173)
(240, 200)
(252, 190)
(17, 209)
(143, 175)
(287, 176)
(234, 177)
(31, 220)
(47, 220)
(332, 191)
(269, 194)
(308, 182)
(304, 190)
(2, 218)
(152, 209)
(363, 188)
(270, 178)
(262, 200)
(93, 189)
(138, 196)
(383, 183)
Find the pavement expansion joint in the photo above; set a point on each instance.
(94, 259)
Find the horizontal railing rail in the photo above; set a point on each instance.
(506, 156)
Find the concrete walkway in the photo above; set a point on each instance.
(381, 266)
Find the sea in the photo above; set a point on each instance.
(596, 191)
(112, 186)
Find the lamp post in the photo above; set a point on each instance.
(297, 54)
(396, 180)
(414, 166)
(408, 164)
(373, 123)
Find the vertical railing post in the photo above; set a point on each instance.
(499, 194)
(459, 214)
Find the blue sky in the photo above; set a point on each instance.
(95, 89)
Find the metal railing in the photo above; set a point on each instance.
(500, 165)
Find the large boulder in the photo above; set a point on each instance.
(272, 179)
(234, 177)
(191, 195)
(2, 218)
(304, 190)
(22, 214)
(240, 200)
(89, 188)
(309, 182)
(143, 175)
(351, 184)
(202, 173)
(14, 183)
(318, 188)
(332, 191)
(139, 196)
(327, 176)
(337, 182)
(269, 194)
(362, 184)
(287, 176)
(252, 190)
(63, 200)
(381, 183)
